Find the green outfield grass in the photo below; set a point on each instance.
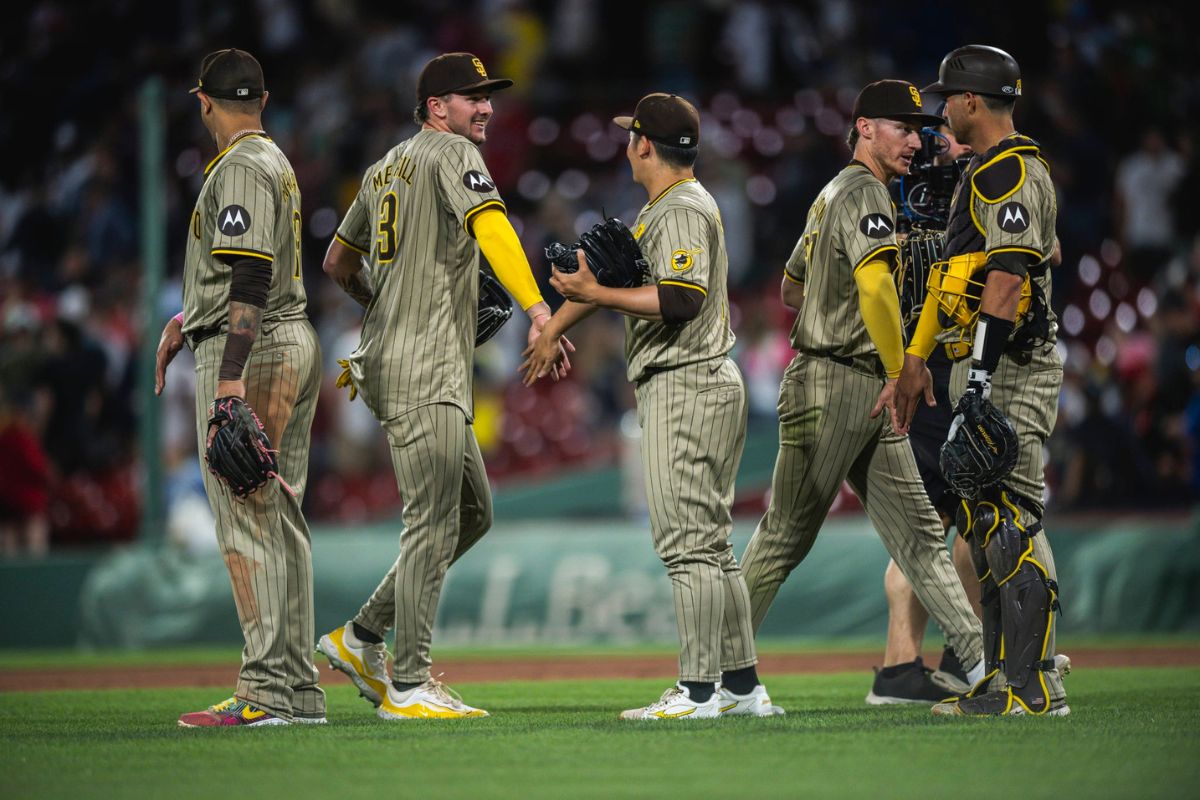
(207, 655)
(1133, 733)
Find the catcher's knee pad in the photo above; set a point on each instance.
(995, 530)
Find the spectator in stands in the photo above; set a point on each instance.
(1145, 225)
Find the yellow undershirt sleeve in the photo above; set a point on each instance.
(880, 308)
(924, 338)
(500, 245)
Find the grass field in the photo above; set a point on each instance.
(1132, 733)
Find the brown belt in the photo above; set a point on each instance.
(868, 363)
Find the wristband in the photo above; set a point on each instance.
(178, 318)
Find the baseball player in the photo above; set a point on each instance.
(691, 403)
(244, 319)
(904, 678)
(850, 351)
(408, 251)
(1000, 241)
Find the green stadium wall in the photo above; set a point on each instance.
(570, 581)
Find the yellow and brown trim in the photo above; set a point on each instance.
(228, 251)
(665, 191)
(793, 278)
(1015, 249)
(873, 255)
(1011, 153)
(685, 285)
(351, 245)
(232, 145)
(469, 217)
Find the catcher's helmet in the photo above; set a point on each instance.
(980, 69)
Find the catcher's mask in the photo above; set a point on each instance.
(956, 288)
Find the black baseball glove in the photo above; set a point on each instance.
(919, 252)
(495, 308)
(981, 448)
(612, 255)
(239, 452)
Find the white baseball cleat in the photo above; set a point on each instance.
(431, 700)
(676, 704)
(755, 704)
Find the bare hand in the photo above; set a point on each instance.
(563, 363)
(579, 286)
(915, 380)
(169, 345)
(887, 399)
(546, 356)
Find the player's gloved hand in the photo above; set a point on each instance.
(238, 451)
(345, 379)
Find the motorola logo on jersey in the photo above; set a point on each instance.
(233, 220)
(476, 181)
(1013, 217)
(876, 226)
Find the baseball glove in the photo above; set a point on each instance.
(920, 251)
(612, 254)
(495, 308)
(238, 451)
(981, 448)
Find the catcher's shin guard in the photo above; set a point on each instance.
(1027, 599)
(989, 599)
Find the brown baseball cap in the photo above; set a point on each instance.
(456, 73)
(665, 118)
(891, 99)
(230, 75)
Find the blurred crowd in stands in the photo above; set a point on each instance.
(1110, 91)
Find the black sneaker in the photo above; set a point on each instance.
(907, 683)
(950, 676)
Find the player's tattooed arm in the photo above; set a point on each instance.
(245, 320)
(357, 285)
(348, 271)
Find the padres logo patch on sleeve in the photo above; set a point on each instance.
(1013, 217)
(233, 220)
(682, 260)
(875, 225)
(476, 181)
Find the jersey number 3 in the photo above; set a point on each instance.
(389, 204)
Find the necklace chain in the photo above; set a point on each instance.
(241, 133)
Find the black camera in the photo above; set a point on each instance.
(925, 192)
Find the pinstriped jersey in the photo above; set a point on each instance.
(412, 220)
(1014, 207)
(681, 236)
(851, 222)
(249, 206)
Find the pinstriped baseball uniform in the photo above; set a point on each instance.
(825, 432)
(691, 404)
(412, 219)
(1024, 221)
(249, 206)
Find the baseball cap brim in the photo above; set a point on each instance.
(491, 85)
(625, 122)
(918, 119)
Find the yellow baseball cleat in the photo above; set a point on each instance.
(431, 700)
(365, 664)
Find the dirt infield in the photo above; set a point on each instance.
(548, 668)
